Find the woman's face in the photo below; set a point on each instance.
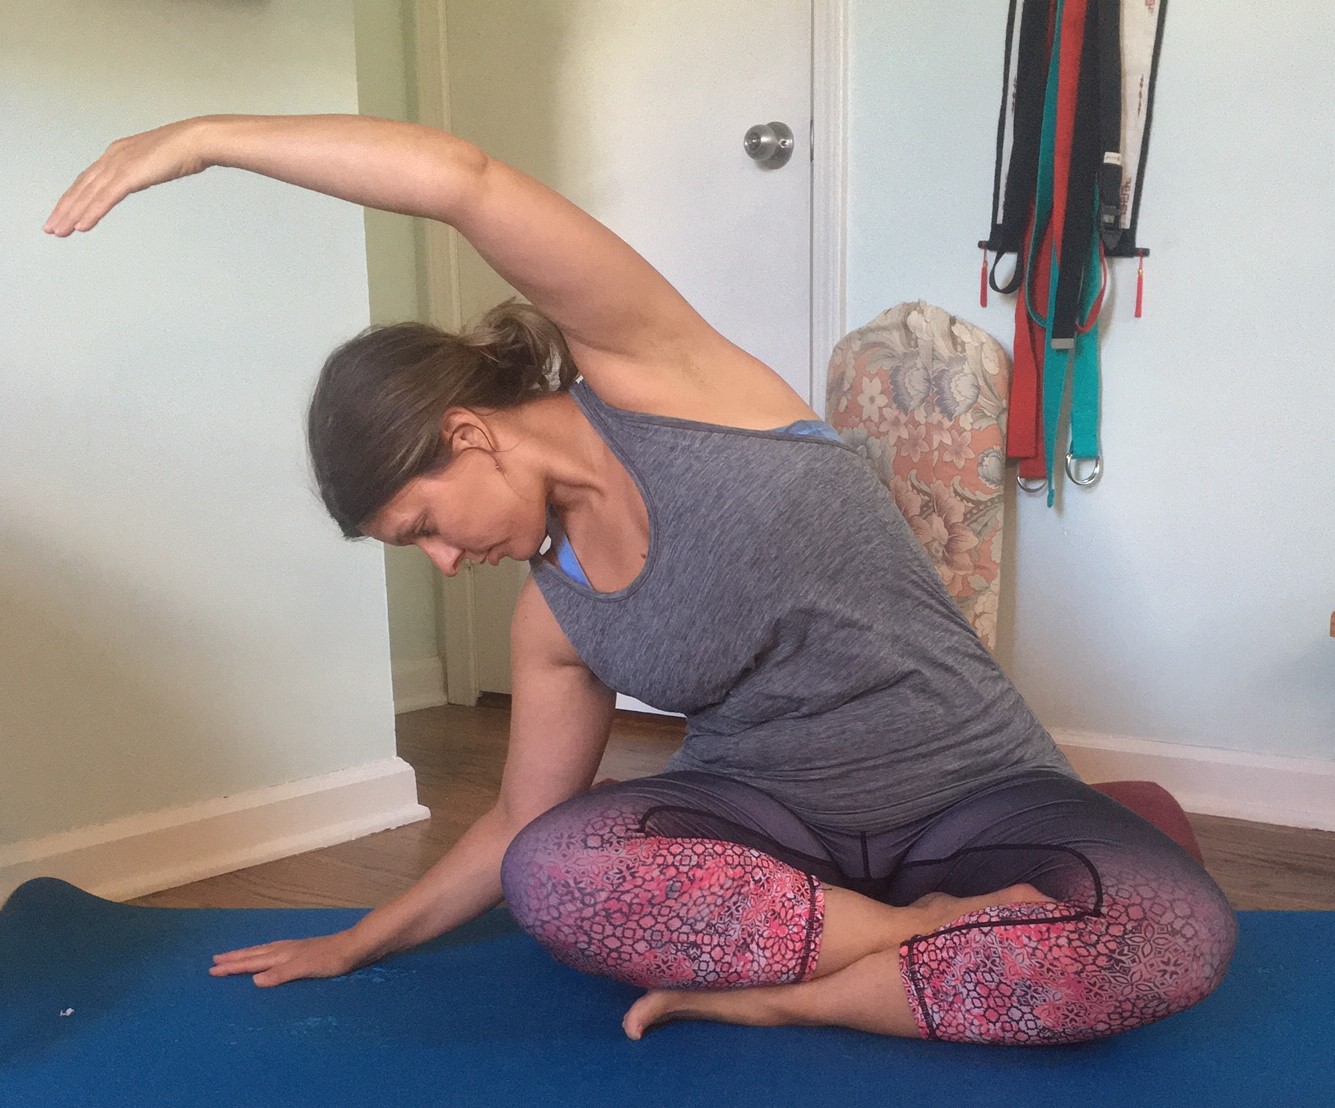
(473, 509)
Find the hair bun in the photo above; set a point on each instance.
(527, 348)
(375, 418)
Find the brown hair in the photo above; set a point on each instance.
(375, 417)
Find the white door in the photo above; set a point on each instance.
(636, 111)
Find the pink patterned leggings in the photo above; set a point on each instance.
(688, 880)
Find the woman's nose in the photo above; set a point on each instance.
(444, 557)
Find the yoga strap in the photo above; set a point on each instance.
(1071, 140)
(1084, 361)
(1034, 362)
(1024, 430)
(1078, 109)
(1024, 433)
(1074, 276)
(1108, 14)
(1038, 258)
(1018, 131)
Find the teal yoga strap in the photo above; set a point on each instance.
(1061, 361)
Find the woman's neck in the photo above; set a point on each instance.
(594, 496)
(553, 438)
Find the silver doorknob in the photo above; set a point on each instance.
(770, 145)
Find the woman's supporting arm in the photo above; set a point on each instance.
(560, 716)
(560, 719)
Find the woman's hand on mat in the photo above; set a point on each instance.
(129, 165)
(292, 959)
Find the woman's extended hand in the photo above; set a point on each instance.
(291, 959)
(129, 165)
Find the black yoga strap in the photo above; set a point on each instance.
(1011, 208)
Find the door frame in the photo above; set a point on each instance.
(457, 613)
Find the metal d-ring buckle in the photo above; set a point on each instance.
(1073, 470)
(1042, 483)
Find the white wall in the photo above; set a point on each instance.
(386, 84)
(1187, 597)
(179, 619)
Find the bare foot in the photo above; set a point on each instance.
(656, 1006)
(744, 1006)
(939, 909)
(769, 1006)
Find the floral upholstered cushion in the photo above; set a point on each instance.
(922, 395)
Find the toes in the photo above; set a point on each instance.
(1022, 894)
(642, 1015)
(633, 1022)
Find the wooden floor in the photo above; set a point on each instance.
(457, 753)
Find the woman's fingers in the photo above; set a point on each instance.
(245, 952)
(249, 965)
(59, 221)
(270, 965)
(84, 204)
(275, 963)
(92, 187)
(128, 165)
(252, 959)
(94, 207)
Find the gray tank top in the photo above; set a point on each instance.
(787, 610)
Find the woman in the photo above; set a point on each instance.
(865, 825)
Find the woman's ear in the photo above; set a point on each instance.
(462, 429)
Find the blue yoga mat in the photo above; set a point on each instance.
(105, 1004)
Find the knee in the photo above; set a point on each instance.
(551, 869)
(1188, 944)
(526, 871)
(1153, 949)
(515, 868)
(1206, 928)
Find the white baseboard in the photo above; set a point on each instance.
(418, 683)
(1264, 788)
(145, 853)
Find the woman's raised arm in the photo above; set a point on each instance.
(609, 302)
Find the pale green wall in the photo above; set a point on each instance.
(179, 619)
(385, 86)
(1187, 597)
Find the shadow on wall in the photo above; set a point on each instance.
(93, 725)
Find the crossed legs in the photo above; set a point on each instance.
(857, 981)
(988, 925)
